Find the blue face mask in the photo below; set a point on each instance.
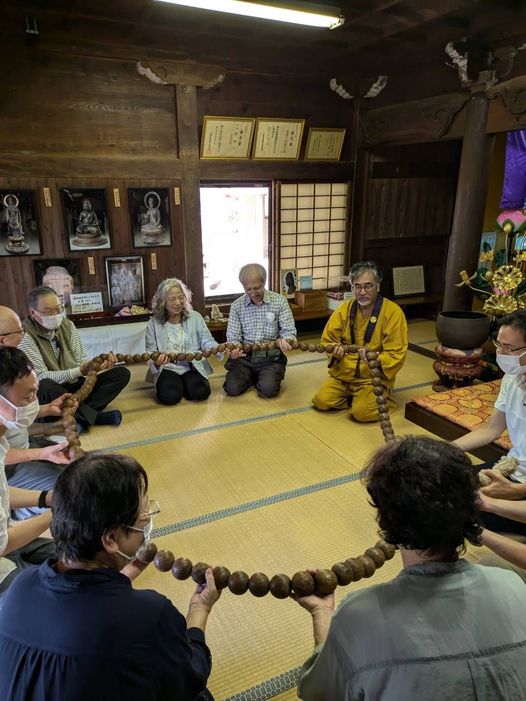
(147, 532)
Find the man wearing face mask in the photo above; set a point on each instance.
(53, 345)
(26, 467)
(75, 628)
(369, 321)
(20, 546)
(509, 413)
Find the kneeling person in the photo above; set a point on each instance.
(369, 321)
(53, 345)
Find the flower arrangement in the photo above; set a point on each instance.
(501, 278)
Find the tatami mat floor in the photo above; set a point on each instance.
(258, 485)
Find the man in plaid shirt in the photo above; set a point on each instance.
(258, 316)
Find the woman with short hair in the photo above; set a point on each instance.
(176, 328)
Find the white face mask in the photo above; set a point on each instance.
(24, 415)
(510, 364)
(147, 530)
(51, 322)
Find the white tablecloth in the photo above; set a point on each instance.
(119, 338)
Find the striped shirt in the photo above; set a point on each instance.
(250, 323)
(31, 349)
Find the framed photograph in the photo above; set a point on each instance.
(149, 210)
(61, 275)
(324, 144)
(86, 218)
(125, 278)
(408, 281)
(278, 139)
(288, 281)
(19, 225)
(226, 137)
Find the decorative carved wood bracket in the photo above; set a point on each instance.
(513, 95)
(418, 121)
(181, 73)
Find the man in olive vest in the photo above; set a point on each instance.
(53, 345)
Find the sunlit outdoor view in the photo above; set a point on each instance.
(235, 230)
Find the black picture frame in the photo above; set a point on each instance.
(150, 216)
(19, 223)
(61, 274)
(87, 225)
(125, 280)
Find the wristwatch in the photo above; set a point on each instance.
(42, 499)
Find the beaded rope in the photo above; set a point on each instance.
(303, 583)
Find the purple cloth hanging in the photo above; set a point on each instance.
(514, 187)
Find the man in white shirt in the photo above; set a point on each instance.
(509, 413)
(20, 546)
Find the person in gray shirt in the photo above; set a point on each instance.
(443, 628)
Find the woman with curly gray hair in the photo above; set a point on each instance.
(176, 328)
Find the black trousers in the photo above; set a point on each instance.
(109, 384)
(266, 374)
(171, 387)
(500, 523)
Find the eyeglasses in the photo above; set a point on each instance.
(51, 312)
(153, 509)
(504, 347)
(10, 333)
(366, 288)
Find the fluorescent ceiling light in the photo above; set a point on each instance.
(254, 9)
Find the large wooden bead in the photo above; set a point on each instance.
(357, 568)
(172, 357)
(369, 568)
(214, 350)
(145, 357)
(375, 372)
(128, 359)
(303, 583)
(120, 357)
(352, 348)
(247, 347)
(388, 548)
(372, 364)
(182, 568)
(312, 348)
(190, 357)
(326, 582)
(378, 391)
(179, 357)
(371, 355)
(155, 356)
(137, 358)
(258, 584)
(377, 382)
(320, 348)
(329, 349)
(383, 409)
(206, 353)
(221, 347)
(280, 586)
(295, 345)
(343, 574)
(164, 560)
(197, 356)
(198, 572)
(221, 575)
(303, 346)
(238, 582)
(377, 555)
(230, 346)
(68, 403)
(147, 552)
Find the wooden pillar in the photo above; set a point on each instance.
(358, 210)
(470, 203)
(186, 109)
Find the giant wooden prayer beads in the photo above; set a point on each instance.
(322, 582)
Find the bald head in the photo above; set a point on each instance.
(11, 331)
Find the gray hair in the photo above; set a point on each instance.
(252, 269)
(37, 293)
(366, 266)
(161, 293)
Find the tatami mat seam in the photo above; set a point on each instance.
(255, 504)
(269, 688)
(229, 424)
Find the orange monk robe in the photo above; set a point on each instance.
(389, 339)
